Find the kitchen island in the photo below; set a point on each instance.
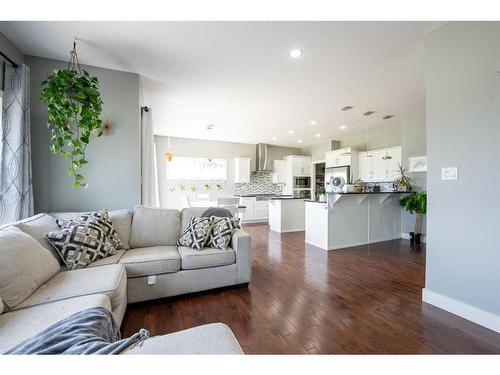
(286, 214)
(352, 219)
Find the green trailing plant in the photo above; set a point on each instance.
(403, 181)
(415, 203)
(74, 105)
(320, 190)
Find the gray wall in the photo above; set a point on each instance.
(463, 130)
(413, 143)
(10, 50)
(203, 148)
(113, 172)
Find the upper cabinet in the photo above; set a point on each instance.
(341, 158)
(299, 165)
(279, 171)
(379, 165)
(242, 170)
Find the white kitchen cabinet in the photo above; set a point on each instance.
(381, 166)
(279, 171)
(242, 170)
(299, 165)
(255, 211)
(261, 210)
(338, 158)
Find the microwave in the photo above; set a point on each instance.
(302, 182)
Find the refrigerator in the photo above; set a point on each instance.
(331, 173)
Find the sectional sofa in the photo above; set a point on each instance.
(150, 266)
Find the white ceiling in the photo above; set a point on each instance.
(239, 76)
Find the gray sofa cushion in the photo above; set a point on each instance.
(25, 265)
(110, 280)
(37, 227)
(215, 338)
(155, 260)
(154, 227)
(121, 219)
(19, 325)
(108, 260)
(207, 257)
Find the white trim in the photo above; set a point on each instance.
(406, 236)
(462, 309)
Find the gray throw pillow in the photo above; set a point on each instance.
(222, 232)
(83, 243)
(104, 222)
(197, 233)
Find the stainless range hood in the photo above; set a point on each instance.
(263, 164)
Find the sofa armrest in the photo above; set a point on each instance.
(240, 243)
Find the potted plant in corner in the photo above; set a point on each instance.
(415, 203)
(320, 193)
(403, 182)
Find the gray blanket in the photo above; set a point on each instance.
(92, 331)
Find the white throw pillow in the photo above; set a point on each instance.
(25, 265)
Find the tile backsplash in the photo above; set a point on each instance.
(260, 183)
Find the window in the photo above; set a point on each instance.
(195, 169)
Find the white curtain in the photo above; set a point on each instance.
(149, 192)
(16, 190)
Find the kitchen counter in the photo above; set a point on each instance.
(353, 219)
(285, 197)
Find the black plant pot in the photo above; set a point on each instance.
(415, 237)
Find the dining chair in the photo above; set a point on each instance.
(232, 204)
(185, 201)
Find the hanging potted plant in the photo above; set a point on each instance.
(74, 106)
(415, 203)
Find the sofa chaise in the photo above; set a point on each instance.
(150, 266)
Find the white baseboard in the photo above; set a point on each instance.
(462, 309)
(406, 236)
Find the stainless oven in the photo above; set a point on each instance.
(302, 182)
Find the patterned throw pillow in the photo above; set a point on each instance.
(83, 243)
(197, 233)
(104, 221)
(222, 231)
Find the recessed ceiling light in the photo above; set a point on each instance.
(295, 53)
(290, 132)
(299, 141)
(318, 135)
(342, 127)
(313, 122)
(275, 139)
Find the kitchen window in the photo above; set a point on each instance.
(190, 168)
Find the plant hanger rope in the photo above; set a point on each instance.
(73, 62)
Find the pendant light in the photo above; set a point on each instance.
(386, 156)
(345, 152)
(367, 154)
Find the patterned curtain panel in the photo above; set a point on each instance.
(16, 191)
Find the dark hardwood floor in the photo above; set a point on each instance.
(303, 300)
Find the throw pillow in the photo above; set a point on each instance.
(197, 233)
(222, 232)
(25, 266)
(83, 243)
(104, 222)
